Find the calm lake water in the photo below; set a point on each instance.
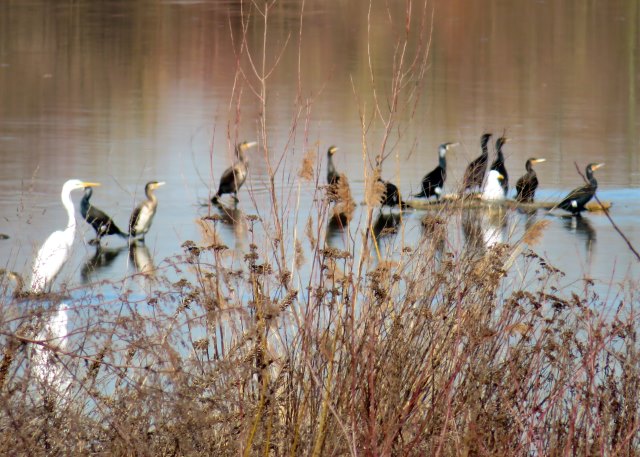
(123, 92)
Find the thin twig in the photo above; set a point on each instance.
(606, 212)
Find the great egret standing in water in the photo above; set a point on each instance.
(142, 216)
(56, 249)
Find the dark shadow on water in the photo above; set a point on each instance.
(581, 227)
(386, 224)
(102, 258)
(232, 222)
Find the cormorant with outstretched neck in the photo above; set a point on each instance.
(474, 174)
(234, 177)
(577, 199)
(528, 183)
(142, 216)
(498, 164)
(433, 183)
(332, 175)
(101, 223)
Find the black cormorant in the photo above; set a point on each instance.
(233, 177)
(528, 183)
(391, 195)
(101, 223)
(498, 164)
(494, 188)
(433, 183)
(579, 197)
(474, 175)
(142, 216)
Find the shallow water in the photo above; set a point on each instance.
(125, 92)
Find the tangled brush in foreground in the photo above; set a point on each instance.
(430, 353)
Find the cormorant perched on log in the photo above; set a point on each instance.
(579, 197)
(433, 183)
(233, 177)
(528, 183)
(493, 188)
(498, 164)
(142, 216)
(101, 223)
(390, 195)
(474, 175)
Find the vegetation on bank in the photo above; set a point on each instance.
(427, 349)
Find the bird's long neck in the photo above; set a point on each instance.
(500, 156)
(529, 167)
(591, 178)
(68, 205)
(150, 195)
(331, 169)
(443, 162)
(241, 156)
(485, 150)
(84, 203)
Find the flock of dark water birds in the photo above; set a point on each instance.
(492, 186)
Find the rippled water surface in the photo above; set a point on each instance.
(123, 92)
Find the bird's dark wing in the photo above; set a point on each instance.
(432, 181)
(580, 196)
(134, 220)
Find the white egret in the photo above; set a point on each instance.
(142, 216)
(493, 190)
(56, 249)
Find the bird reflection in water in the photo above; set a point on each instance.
(230, 220)
(484, 228)
(141, 257)
(434, 232)
(386, 224)
(582, 227)
(101, 259)
(494, 227)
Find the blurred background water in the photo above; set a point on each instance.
(123, 92)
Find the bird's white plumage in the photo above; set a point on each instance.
(493, 190)
(144, 219)
(51, 257)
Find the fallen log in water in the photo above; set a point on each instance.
(453, 201)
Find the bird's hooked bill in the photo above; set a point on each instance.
(597, 165)
(90, 184)
(539, 160)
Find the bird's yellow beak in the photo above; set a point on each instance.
(500, 176)
(89, 184)
(158, 184)
(598, 165)
(451, 145)
(251, 144)
(538, 160)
